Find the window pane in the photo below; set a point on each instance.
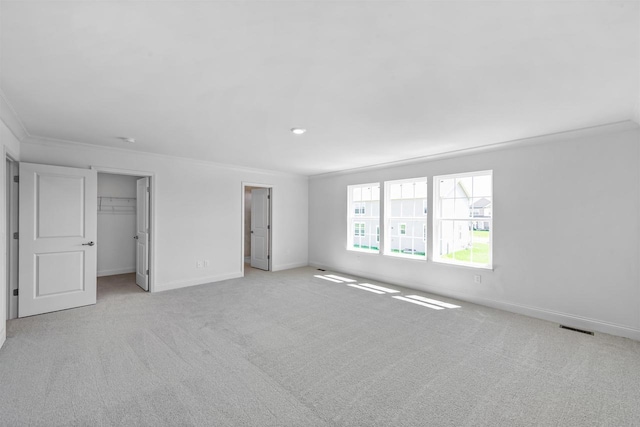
(462, 241)
(447, 208)
(464, 187)
(480, 250)
(366, 193)
(407, 191)
(446, 188)
(462, 208)
(445, 242)
(396, 191)
(482, 186)
(481, 207)
(357, 194)
(375, 210)
(421, 190)
(407, 208)
(375, 192)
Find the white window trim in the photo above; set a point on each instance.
(352, 216)
(436, 221)
(386, 197)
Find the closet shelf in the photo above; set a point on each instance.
(116, 205)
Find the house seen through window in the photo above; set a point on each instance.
(463, 219)
(406, 218)
(364, 217)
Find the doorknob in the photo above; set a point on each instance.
(88, 244)
(135, 237)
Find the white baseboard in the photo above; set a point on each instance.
(115, 271)
(566, 319)
(3, 335)
(195, 282)
(281, 267)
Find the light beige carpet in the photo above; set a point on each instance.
(289, 349)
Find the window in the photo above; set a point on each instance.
(463, 219)
(364, 217)
(406, 218)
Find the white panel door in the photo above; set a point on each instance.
(57, 231)
(260, 228)
(142, 233)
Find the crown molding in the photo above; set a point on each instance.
(61, 143)
(615, 127)
(11, 118)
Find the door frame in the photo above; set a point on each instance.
(242, 228)
(152, 214)
(4, 286)
(11, 207)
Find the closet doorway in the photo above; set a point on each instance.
(124, 232)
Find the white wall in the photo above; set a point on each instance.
(566, 230)
(198, 210)
(116, 246)
(10, 145)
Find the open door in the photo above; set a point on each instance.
(57, 231)
(142, 233)
(260, 227)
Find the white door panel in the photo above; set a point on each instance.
(142, 233)
(58, 231)
(260, 227)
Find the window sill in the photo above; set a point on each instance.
(364, 251)
(464, 265)
(406, 256)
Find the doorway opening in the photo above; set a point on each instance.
(11, 212)
(123, 232)
(256, 226)
(56, 264)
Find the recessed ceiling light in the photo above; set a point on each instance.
(127, 139)
(298, 131)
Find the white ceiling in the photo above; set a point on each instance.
(373, 82)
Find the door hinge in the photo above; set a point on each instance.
(268, 227)
(148, 191)
(147, 272)
(16, 178)
(269, 197)
(15, 292)
(268, 256)
(15, 235)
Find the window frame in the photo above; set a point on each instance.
(387, 218)
(360, 217)
(437, 219)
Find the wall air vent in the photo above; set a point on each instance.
(576, 330)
